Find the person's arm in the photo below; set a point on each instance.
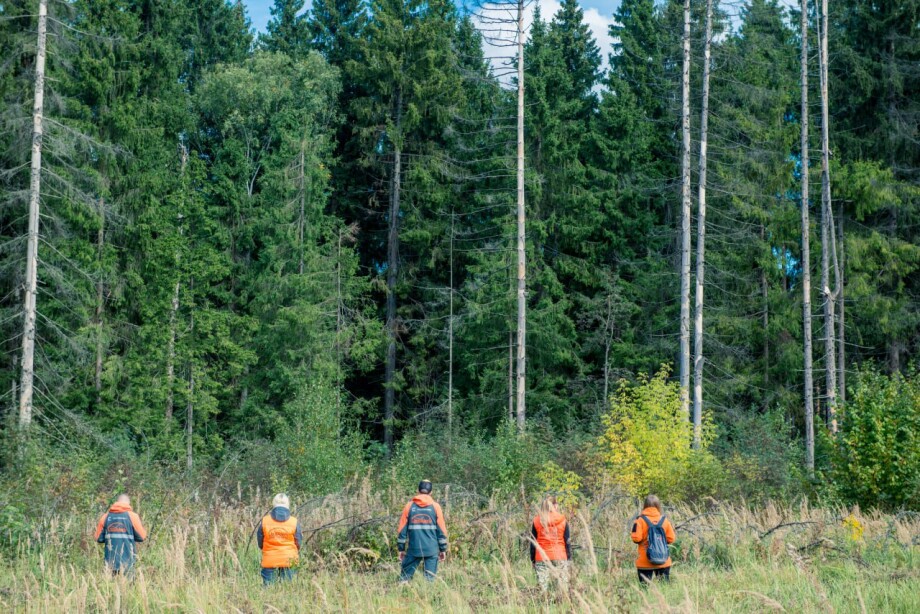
(402, 533)
(442, 528)
(100, 529)
(298, 535)
(669, 533)
(568, 546)
(140, 533)
(638, 530)
(533, 543)
(260, 535)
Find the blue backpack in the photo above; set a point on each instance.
(657, 551)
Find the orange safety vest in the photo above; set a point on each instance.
(279, 549)
(551, 539)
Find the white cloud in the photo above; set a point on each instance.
(502, 56)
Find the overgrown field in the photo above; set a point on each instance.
(201, 557)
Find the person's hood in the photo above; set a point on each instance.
(120, 507)
(555, 519)
(280, 514)
(422, 500)
(652, 514)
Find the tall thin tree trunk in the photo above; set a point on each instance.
(28, 333)
(701, 241)
(100, 304)
(765, 294)
(450, 343)
(190, 406)
(685, 225)
(510, 375)
(841, 338)
(301, 220)
(806, 257)
(521, 236)
(392, 268)
(608, 341)
(827, 235)
(174, 305)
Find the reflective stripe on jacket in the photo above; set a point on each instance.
(640, 537)
(279, 538)
(119, 529)
(552, 542)
(422, 530)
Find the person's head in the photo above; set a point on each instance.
(281, 500)
(547, 507)
(123, 498)
(652, 501)
(424, 487)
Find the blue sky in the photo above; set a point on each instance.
(259, 10)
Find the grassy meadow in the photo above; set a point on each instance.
(202, 557)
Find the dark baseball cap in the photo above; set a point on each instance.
(425, 487)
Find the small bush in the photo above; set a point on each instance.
(645, 446)
(878, 447)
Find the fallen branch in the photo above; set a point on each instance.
(783, 525)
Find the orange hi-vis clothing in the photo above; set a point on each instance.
(640, 537)
(552, 541)
(422, 531)
(119, 529)
(279, 537)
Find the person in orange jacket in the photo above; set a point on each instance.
(120, 529)
(279, 537)
(651, 519)
(422, 535)
(550, 551)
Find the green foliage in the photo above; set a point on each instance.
(564, 485)
(645, 446)
(878, 461)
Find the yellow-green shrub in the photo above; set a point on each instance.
(645, 446)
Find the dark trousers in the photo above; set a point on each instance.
(647, 575)
(411, 563)
(269, 573)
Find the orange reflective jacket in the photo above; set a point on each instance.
(552, 539)
(279, 542)
(640, 537)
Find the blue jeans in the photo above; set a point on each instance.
(268, 574)
(410, 564)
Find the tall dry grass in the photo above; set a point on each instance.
(201, 557)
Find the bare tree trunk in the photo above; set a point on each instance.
(392, 268)
(190, 406)
(608, 341)
(765, 294)
(28, 333)
(450, 343)
(827, 234)
(100, 304)
(841, 339)
(301, 221)
(174, 306)
(806, 257)
(701, 242)
(685, 225)
(510, 375)
(521, 237)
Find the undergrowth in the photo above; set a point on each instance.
(201, 556)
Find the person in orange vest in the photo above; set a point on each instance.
(652, 531)
(550, 550)
(120, 529)
(422, 535)
(279, 537)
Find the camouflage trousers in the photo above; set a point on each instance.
(553, 573)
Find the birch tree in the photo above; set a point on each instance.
(806, 254)
(31, 285)
(685, 223)
(701, 239)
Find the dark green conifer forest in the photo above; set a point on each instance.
(294, 253)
